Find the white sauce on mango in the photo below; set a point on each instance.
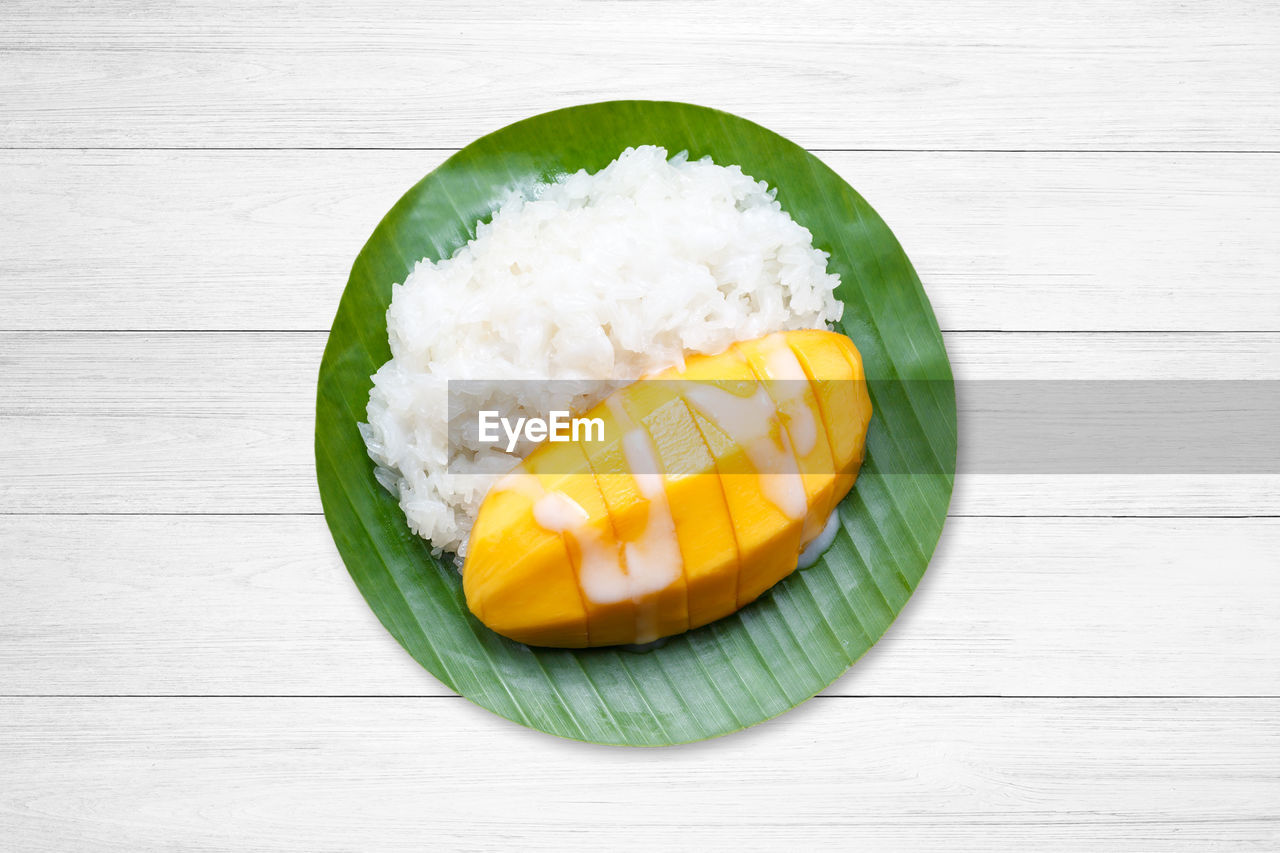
(602, 575)
(748, 421)
(815, 549)
(654, 560)
(781, 363)
(612, 571)
(557, 512)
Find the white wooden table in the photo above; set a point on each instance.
(1088, 190)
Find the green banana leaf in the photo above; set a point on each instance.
(797, 638)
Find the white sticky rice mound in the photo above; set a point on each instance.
(593, 277)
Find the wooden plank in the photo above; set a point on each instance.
(329, 775)
(1094, 75)
(186, 422)
(327, 736)
(213, 605)
(265, 240)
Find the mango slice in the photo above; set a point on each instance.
(834, 367)
(589, 530)
(703, 526)
(648, 550)
(518, 578)
(781, 374)
(767, 510)
(708, 483)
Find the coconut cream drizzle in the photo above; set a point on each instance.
(557, 512)
(653, 561)
(781, 363)
(749, 421)
(790, 384)
(820, 543)
(601, 574)
(612, 571)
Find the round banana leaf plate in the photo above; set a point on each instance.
(798, 637)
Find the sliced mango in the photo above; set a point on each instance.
(605, 590)
(649, 554)
(720, 391)
(834, 366)
(699, 498)
(518, 578)
(778, 369)
(704, 529)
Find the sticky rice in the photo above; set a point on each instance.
(604, 276)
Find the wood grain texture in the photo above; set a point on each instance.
(919, 774)
(222, 422)
(1080, 168)
(234, 605)
(917, 75)
(265, 239)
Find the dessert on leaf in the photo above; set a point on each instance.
(685, 318)
(703, 491)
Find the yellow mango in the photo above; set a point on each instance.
(778, 369)
(704, 529)
(699, 498)
(660, 601)
(721, 392)
(592, 544)
(518, 578)
(834, 367)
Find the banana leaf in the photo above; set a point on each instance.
(797, 638)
